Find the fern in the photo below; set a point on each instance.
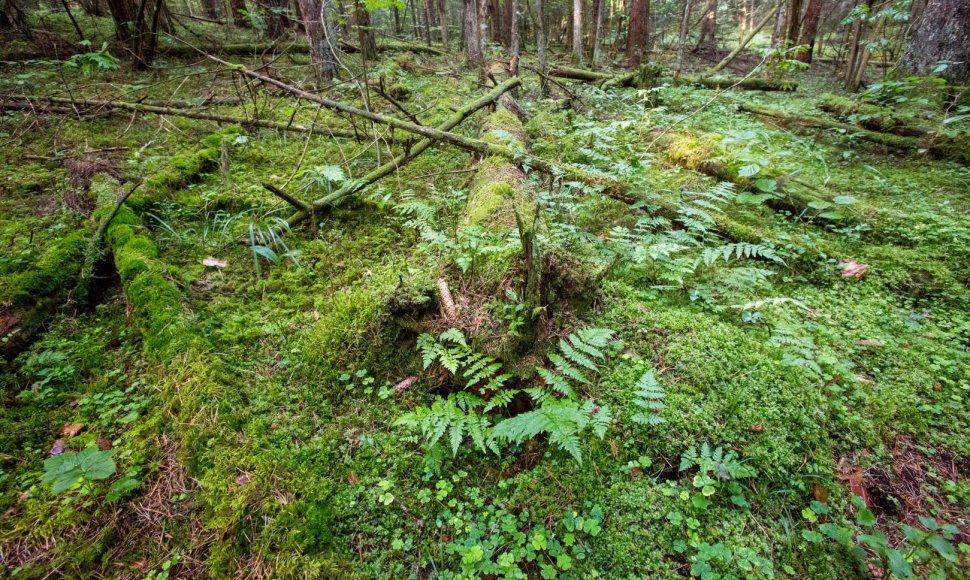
(740, 250)
(649, 396)
(455, 416)
(561, 421)
(724, 464)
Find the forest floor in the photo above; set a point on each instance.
(823, 358)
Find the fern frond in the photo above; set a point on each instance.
(556, 382)
(567, 369)
(648, 396)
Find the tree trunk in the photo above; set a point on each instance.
(638, 38)
(744, 42)
(793, 22)
(322, 39)
(942, 33)
(426, 5)
(482, 25)
(365, 34)
(682, 43)
(809, 29)
(471, 31)
(443, 18)
(514, 38)
(778, 29)
(599, 12)
(211, 9)
(708, 37)
(578, 31)
(238, 8)
(541, 40)
(274, 11)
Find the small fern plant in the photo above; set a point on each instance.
(717, 469)
(560, 412)
(648, 397)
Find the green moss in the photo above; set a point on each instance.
(55, 272)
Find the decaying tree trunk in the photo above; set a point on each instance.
(321, 38)
(941, 34)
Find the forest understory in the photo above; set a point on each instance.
(433, 320)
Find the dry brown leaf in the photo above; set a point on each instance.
(243, 479)
(853, 269)
(71, 430)
(870, 343)
(405, 384)
(757, 428)
(352, 478)
(214, 263)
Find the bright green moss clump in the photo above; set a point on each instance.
(54, 272)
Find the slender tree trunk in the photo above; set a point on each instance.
(942, 32)
(600, 13)
(809, 29)
(778, 28)
(426, 4)
(793, 22)
(541, 40)
(443, 17)
(322, 39)
(682, 42)
(744, 41)
(274, 11)
(365, 34)
(482, 24)
(212, 9)
(638, 38)
(708, 37)
(514, 38)
(578, 31)
(471, 31)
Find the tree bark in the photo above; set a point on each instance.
(471, 30)
(942, 33)
(321, 38)
(443, 17)
(708, 36)
(365, 34)
(682, 42)
(600, 16)
(793, 22)
(514, 34)
(578, 31)
(809, 29)
(274, 12)
(639, 37)
(541, 40)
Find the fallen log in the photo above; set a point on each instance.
(705, 155)
(299, 47)
(936, 145)
(633, 79)
(608, 185)
(64, 105)
(871, 116)
(418, 148)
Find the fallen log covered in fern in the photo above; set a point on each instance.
(936, 145)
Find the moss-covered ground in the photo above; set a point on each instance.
(241, 375)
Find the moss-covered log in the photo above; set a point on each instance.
(639, 79)
(29, 297)
(705, 155)
(299, 47)
(936, 145)
(871, 116)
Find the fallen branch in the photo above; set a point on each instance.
(298, 204)
(936, 145)
(418, 148)
(64, 105)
